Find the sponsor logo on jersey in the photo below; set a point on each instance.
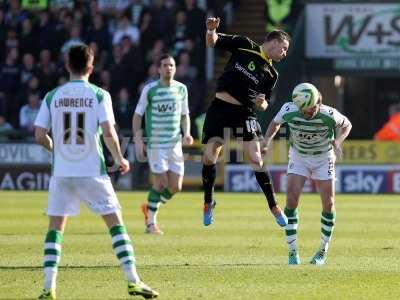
(308, 137)
(169, 107)
(251, 66)
(246, 73)
(267, 70)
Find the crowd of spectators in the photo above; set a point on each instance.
(127, 37)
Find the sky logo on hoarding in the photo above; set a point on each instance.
(243, 181)
(379, 27)
(363, 181)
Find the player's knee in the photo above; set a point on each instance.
(211, 153)
(210, 158)
(175, 188)
(292, 198)
(328, 200)
(329, 205)
(207, 161)
(257, 165)
(159, 185)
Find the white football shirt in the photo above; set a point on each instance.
(74, 112)
(311, 136)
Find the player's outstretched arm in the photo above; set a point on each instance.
(111, 140)
(273, 128)
(43, 139)
(211, 34)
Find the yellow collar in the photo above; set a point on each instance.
(263, 55)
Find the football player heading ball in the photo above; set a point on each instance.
(316, 133)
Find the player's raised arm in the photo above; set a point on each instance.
(211, 34)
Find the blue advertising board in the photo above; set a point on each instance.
(349, 179)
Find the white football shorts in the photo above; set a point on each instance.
(66, 194)
(314, 167)
(162, 160)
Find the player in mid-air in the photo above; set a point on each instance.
(77, 112)
(316, 134)
(164, 103)
(245, 85)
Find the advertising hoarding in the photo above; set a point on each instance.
(353, 30)
(23, 153)
(349, 179)
(30, 177)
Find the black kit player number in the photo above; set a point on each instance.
(251, 126)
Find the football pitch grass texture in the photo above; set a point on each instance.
(242, 256)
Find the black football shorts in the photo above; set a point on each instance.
(223, 117)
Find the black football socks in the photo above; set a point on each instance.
(264, 180)
(209, 173)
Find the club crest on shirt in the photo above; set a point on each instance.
(267, 69)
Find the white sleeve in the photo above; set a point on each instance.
(43, 116)
(185, 104)
(340, 120)
(105, 111)
(279, 116)
(143, 101)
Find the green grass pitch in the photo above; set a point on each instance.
(242, 256)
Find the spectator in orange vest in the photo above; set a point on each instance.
(391, 129)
